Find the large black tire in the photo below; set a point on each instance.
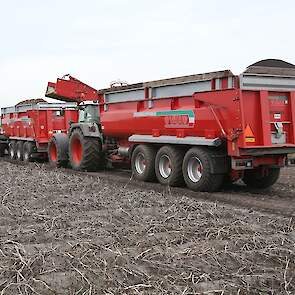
(20, 150)
(261, 178)
(58, 151)
(227, 182)
(197, 170)
(28, 150)
(143, 163)
(85, 152)
(2, 149)
(12, 149)
(168, 165)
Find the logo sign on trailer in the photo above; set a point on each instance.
(173, 118)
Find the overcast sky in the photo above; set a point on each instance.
(99, 41)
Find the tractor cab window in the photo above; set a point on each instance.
(60, 113)
(89, 113)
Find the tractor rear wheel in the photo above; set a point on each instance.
(143, 163)
(168, 165)
(58, 151)
(196, 168)
(28, 151)
(85, 152)
(20, 150)
(261, 178)
(12, 150)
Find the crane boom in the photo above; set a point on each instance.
(70, 89)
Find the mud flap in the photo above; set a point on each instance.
(219, 164)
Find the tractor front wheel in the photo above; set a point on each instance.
(58, 151)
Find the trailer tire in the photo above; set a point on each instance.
(143, 163)
(168, 165)
(2, 149)
(197, 170)
(28, 151)
(12, 149)
(257, 180)
(20, 150)
(85, 152)
(58, 151)
(227, 182)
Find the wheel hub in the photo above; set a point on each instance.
(194, 169)
(140, 163)
(165, 168)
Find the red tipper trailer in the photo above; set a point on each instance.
(28, 128)
(202, 130)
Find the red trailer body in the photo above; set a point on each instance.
(37, 122)
(248, 120)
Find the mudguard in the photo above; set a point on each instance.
(88, 130)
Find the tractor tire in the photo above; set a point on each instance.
(12, 150)
(58, 151)
(168, 165)
(143, 163)
(196, 169)
(85, 152)
(28, 151)
(256, 179)
(20, 150)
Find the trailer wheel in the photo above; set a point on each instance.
(58, 151)
(227, 182)
(143, 163)
(12, 149)
(168, 165)
(2, 150)
(85, 152)
(20, 150)
(196, 170)
(28, 151)
(261, 178)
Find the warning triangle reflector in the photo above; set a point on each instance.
(248, 131)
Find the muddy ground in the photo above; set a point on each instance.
(79, 233)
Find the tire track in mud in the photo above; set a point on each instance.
(277, 200)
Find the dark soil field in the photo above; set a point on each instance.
(103, 233)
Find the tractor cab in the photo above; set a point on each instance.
(89, 113)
